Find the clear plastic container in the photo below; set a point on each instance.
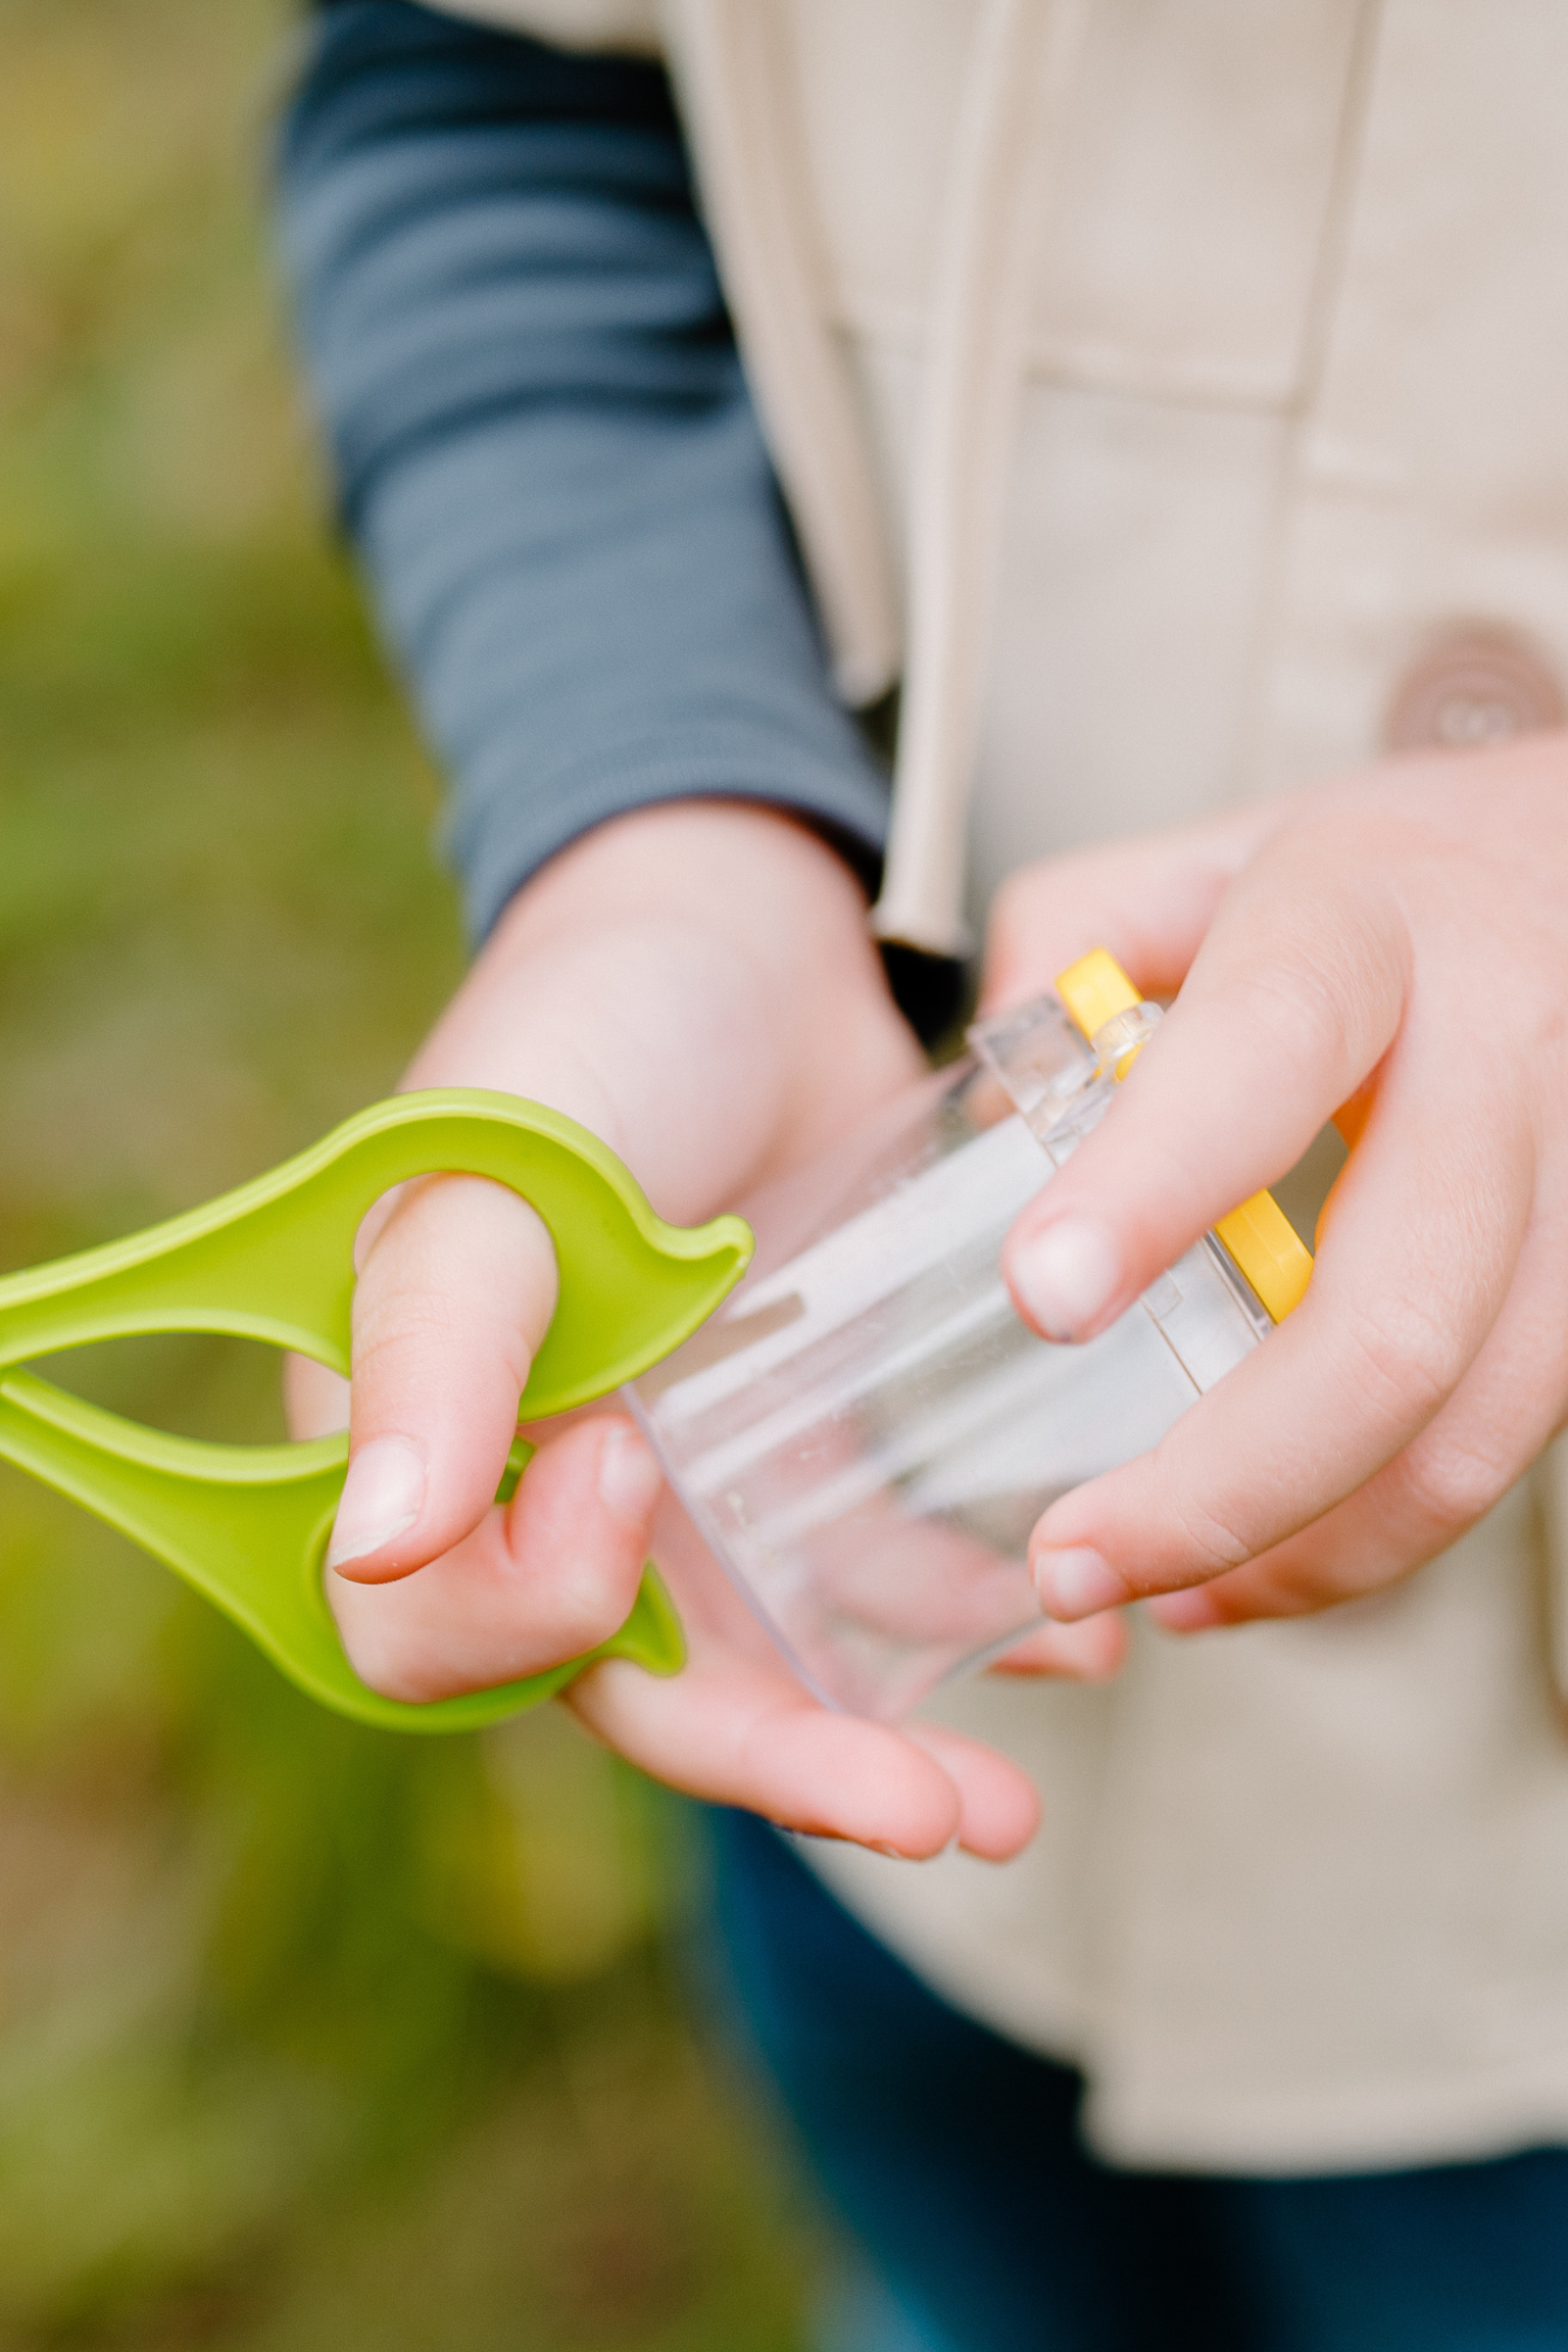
(865, 1433)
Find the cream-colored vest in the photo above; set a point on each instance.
(1152, 381)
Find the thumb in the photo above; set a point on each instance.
(454, 1293)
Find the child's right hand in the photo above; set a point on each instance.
(693, 984)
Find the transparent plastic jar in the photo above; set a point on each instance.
(865, 1433)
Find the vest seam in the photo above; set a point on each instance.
(1328, 282)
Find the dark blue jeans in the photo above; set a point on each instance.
(954, 2158)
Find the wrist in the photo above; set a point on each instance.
(736, 870)
(695, 983)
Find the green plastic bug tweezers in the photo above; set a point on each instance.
(248, 1525)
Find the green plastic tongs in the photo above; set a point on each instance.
(248, 1525)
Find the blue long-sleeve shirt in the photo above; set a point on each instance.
(544, 449)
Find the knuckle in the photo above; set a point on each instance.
(574, 1583)
(1311, 1014)
(1453, 1485)
(1329, 964)
(382, 1653)
(1210, 1541)
(396, 1329)
(1405, 1360)
(589, 1604)
(387, 1316)
(1202, 1540)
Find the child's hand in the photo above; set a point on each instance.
(1398, 943)
(696, 986)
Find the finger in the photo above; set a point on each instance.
(738, 1731)
(540, 1580)
(316, 1401)
(1148, 901)
(998, 1806)
(1087, 1652)
(452, 1299)
(735, 1726)
(1295, 995)
(1399, 1308)
(1499, 1419)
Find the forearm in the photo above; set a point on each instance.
(543, 445)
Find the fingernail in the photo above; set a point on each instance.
(1076, 1584)
(1190, 1612)
(629, 1478)
(1064, 1277)
(382, 1496)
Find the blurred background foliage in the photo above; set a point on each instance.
(308, 2037)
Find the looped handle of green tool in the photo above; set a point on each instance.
(274, 1261)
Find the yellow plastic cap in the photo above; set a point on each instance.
(1269, 1252)
(1094, 989)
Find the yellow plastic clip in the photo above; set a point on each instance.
(1269, 1252)
(1095, 991)
(1265, 1246)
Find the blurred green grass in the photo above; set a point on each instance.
(308, 2037)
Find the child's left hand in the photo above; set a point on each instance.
(1396, 942)
(694, 982)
